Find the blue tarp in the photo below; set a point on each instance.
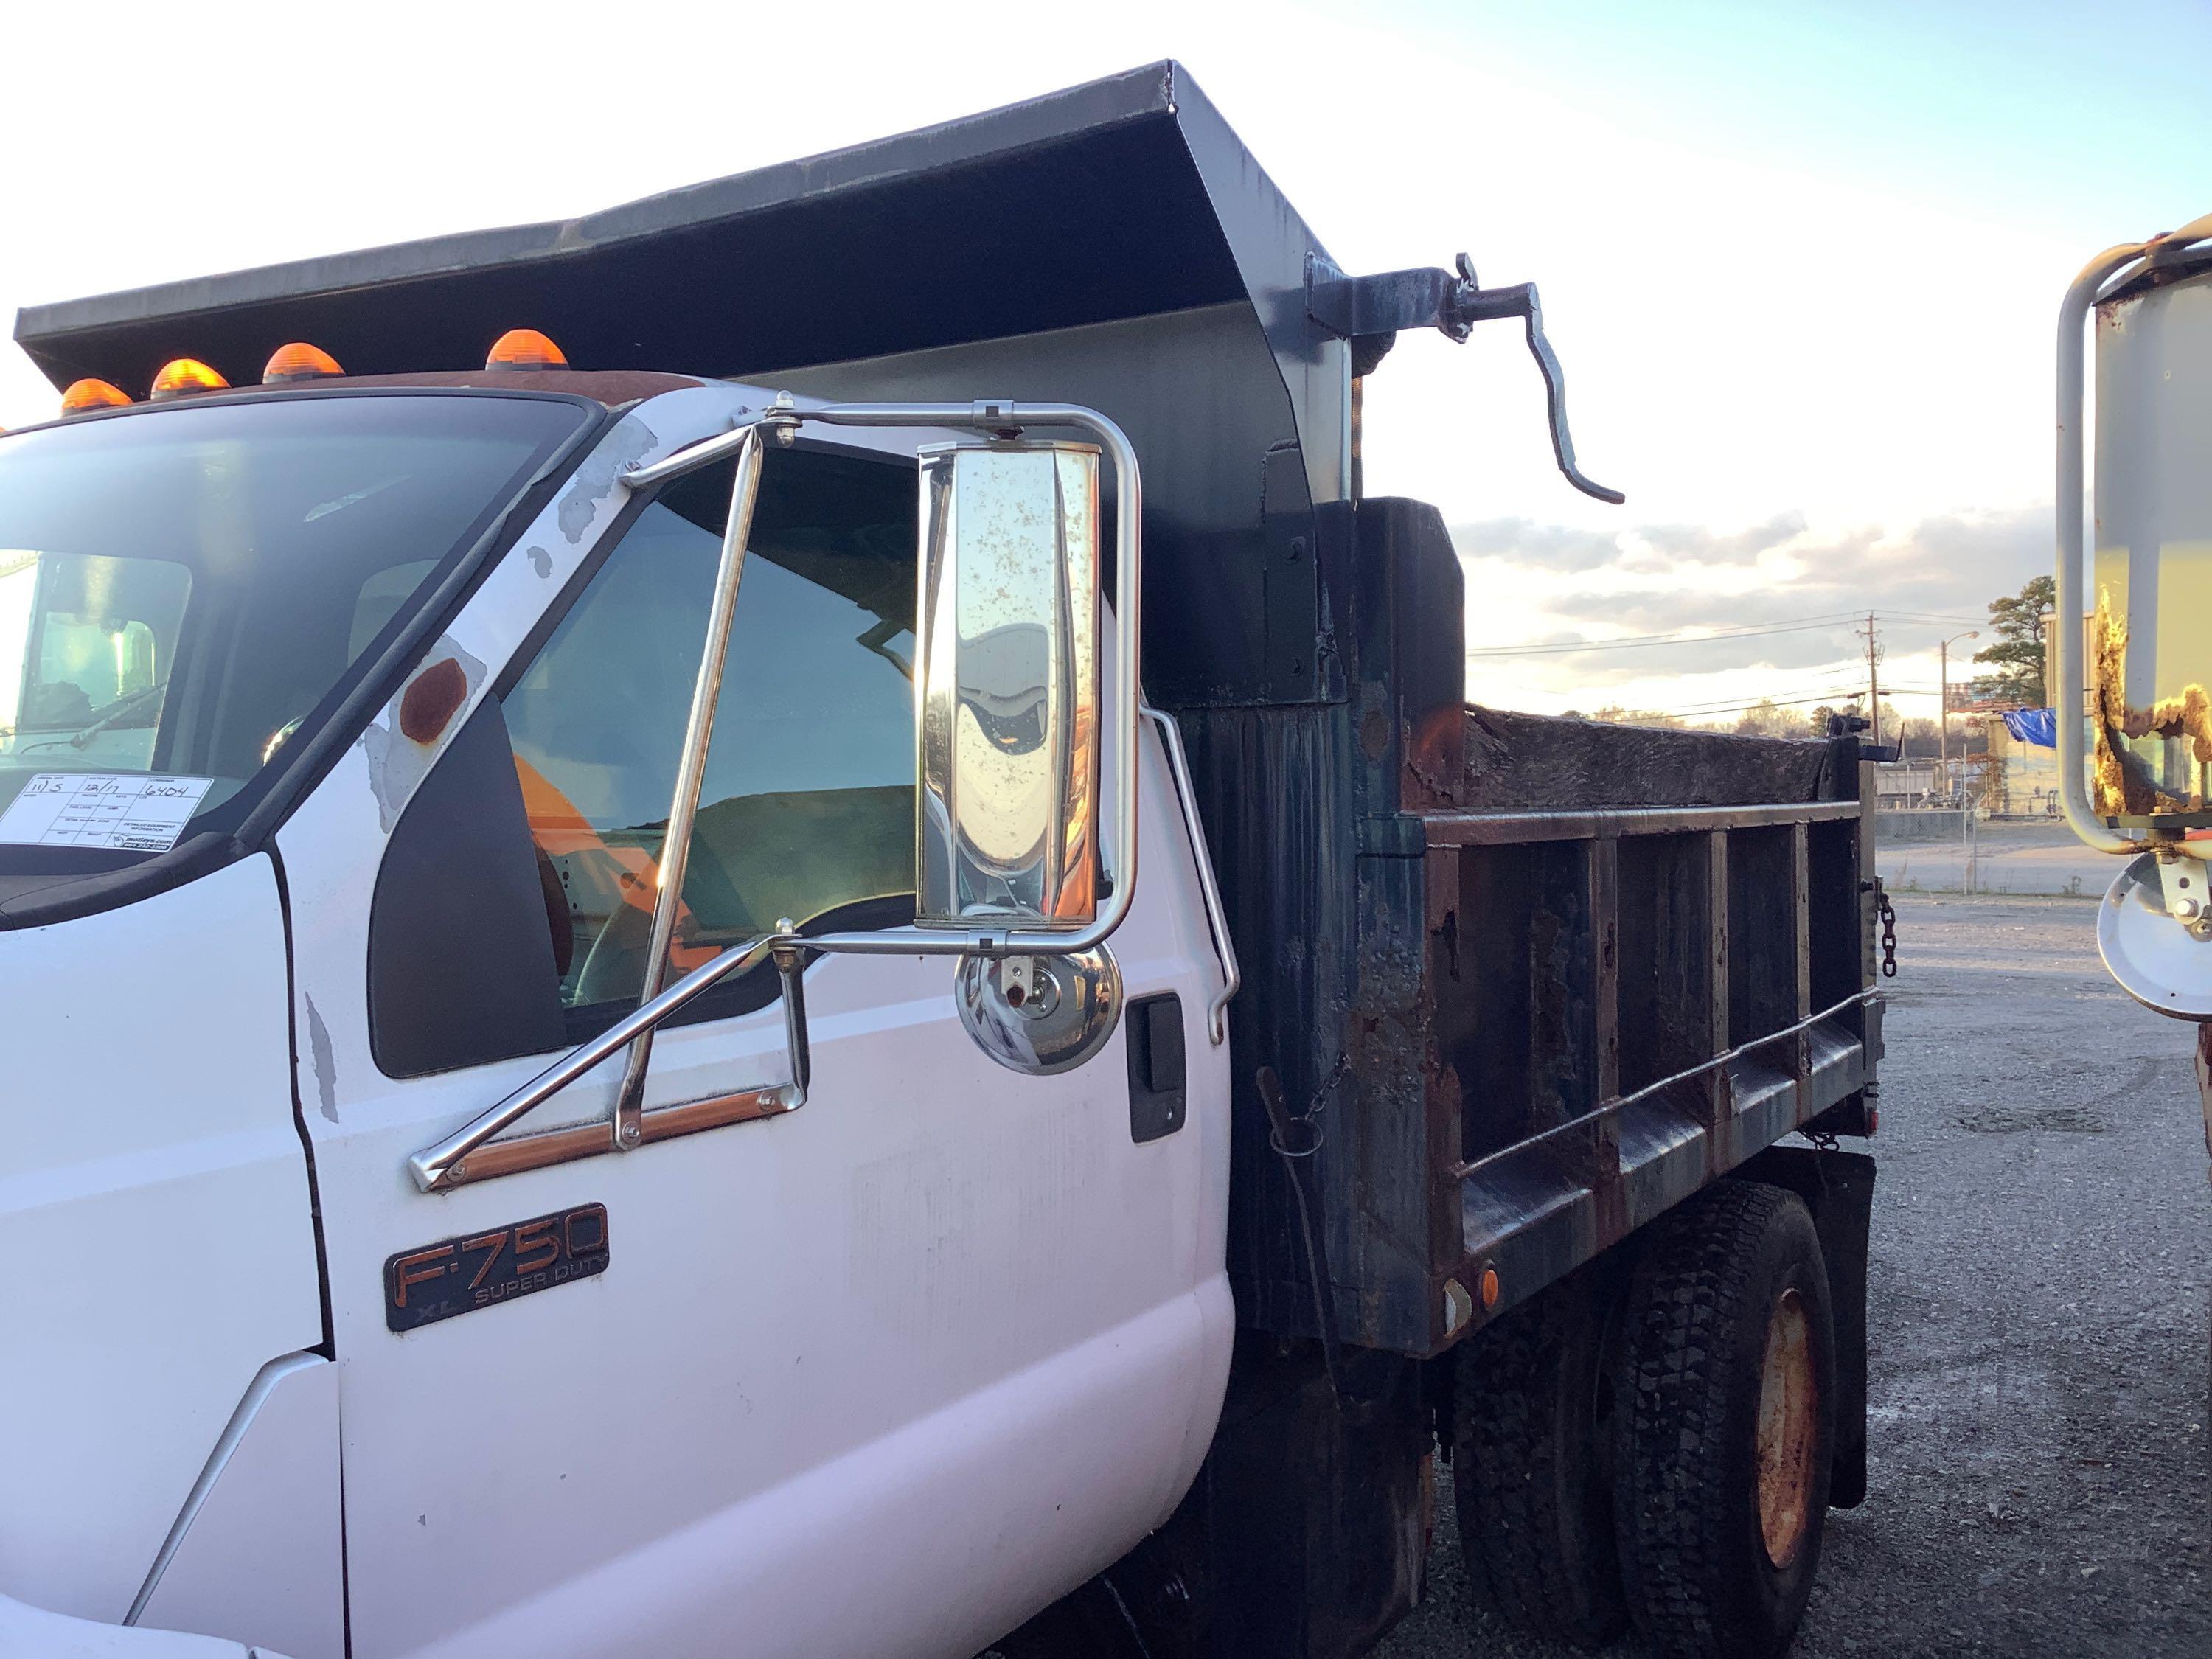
(2037, 726)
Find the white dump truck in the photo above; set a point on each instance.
(826, 964)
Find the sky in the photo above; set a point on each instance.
(1801, 262)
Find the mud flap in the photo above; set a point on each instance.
(1839, 1188)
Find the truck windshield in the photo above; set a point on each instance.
(184, 591)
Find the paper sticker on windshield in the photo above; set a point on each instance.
(125, 812)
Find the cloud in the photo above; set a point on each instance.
(1956, 556)
(1676, 544)
(1645, 548)
(1656, 610)
(1958, 563)
(1553, 547)
(1585, 587)
(1662, 578)
(1791, 653)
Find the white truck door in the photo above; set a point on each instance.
(881, 1375)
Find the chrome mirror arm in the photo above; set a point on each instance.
(441, 1165)
(690, 773)
(779, 416)
(1217, 917)
(791, 967)
(438, 1167)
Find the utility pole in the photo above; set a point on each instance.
(1943, 713)
(1874, 684)
(1943, 702)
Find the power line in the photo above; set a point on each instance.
(1931, 616)
(1635, 640)
(1845, 694)
(1848, 694)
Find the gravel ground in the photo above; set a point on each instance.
(2039, 1477)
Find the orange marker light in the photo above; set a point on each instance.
(181, 376)
(299, 362)
(525, 347)
(93, 394)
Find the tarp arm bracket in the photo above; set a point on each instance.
(1370, 311)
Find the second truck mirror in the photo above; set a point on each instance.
(1006, 686)
(2150, 758)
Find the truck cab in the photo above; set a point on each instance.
(939, 1290)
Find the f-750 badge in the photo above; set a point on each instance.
(478, 1269)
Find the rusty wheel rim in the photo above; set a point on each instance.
(1788, 1429)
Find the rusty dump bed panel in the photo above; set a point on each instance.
(1478, 944)
(1608, 908)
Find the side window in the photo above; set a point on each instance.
(807, 808)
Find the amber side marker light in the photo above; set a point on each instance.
(525, 347)
(91, 394)
(299, 362)
(182, 376)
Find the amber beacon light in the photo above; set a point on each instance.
(299, 362)
(93, 394)
(182, 376)
(525, 347)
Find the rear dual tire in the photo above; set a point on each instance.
(1532, 1465)
(1658, 1452)
(1727, 1424)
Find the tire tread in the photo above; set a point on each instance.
(1689, 1305)
(1511, 1484)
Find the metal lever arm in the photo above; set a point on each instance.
(1370, 311)
(1472, 305)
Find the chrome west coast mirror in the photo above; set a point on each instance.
(1007, 686)
(1008, 702)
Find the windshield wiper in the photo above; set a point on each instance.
(116, 710)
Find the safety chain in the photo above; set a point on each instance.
(1305, 1131)
(1888, 934)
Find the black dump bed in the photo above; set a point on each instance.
(1472, 942)
(1647, 963)
(1537, 980)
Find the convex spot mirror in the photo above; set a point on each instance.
(1008, 687)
